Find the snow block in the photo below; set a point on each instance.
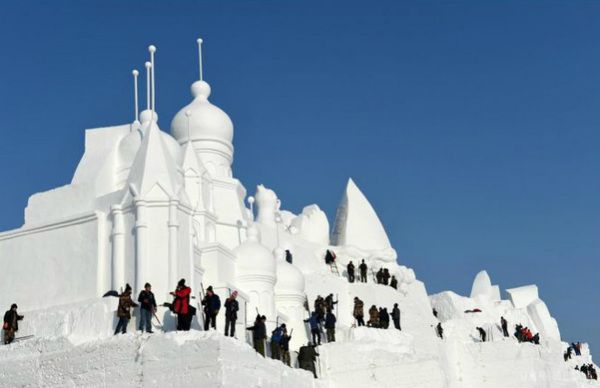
(522, 296)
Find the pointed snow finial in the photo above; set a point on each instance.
(135, 94)
(148, 66)
(199, 41)
(152, 50)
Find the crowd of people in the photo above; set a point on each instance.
(378, 317)
(588, 370)
(524, 334)
(362, 267)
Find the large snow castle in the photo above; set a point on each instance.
(145, 205)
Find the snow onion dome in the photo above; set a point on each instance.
(209, 128)
(255, 262)
(290, 279)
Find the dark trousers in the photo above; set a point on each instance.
(275, 351)
(229, 327)
(330, 334)
(145, 320)
(316, 336)
(211, 319)
(184, 321)
(122, 326)
(259, 346)
(310, 366)
(9, 336)
(505, 331)
(360, 321)
(397, 323)
(351, 277)
(363, 277)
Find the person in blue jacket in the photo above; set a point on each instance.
(315, 328)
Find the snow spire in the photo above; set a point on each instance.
(148, 66)
(135, 95)
(152, 50)
(199, 41)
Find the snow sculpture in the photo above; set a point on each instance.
(482, 287)
(357, 224)
(522, 296)
(256, 275)
(208, 128)
(312, 224)
(266, 200)
(538, 311)
(289, 298)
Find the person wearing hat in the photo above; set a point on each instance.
(212, 305)
(11, 324)
(147, 308)
(124, 310)
(181, 305)
(259, 334)
(231, 308)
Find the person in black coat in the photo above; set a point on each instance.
(394, 282)
(147, 308)
(396, 316)
(330, 321)
(363, 271)
(231, 308)
(259, 334)
(350, 269)
(384, 318)
(482, 334)
(307, 355)
(212, 305)
(11, 324)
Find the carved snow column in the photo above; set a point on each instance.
(141, 243)
(118, 248)
(173, 230)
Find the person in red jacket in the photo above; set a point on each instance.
(181, 305)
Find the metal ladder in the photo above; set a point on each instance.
(334, 268)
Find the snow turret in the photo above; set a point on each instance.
(289, 298)
(209, 128)
(256, 274)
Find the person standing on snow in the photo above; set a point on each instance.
(276, 336)
(396, 316)
(259, 334)
(285, 347)
(504, 325)
(124, 310)
(231, 308)
(11, 324)
(394, 282)
(329, 302)
(212, 305)
(307, 355)
(181, 305)
(440, 330)
(482, 334)
(373, 317)
(363, 271)
(350, 270)
(315, 327)
(359, 313)
(330, 321)
(147, 308)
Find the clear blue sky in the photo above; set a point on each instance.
(473, 127)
